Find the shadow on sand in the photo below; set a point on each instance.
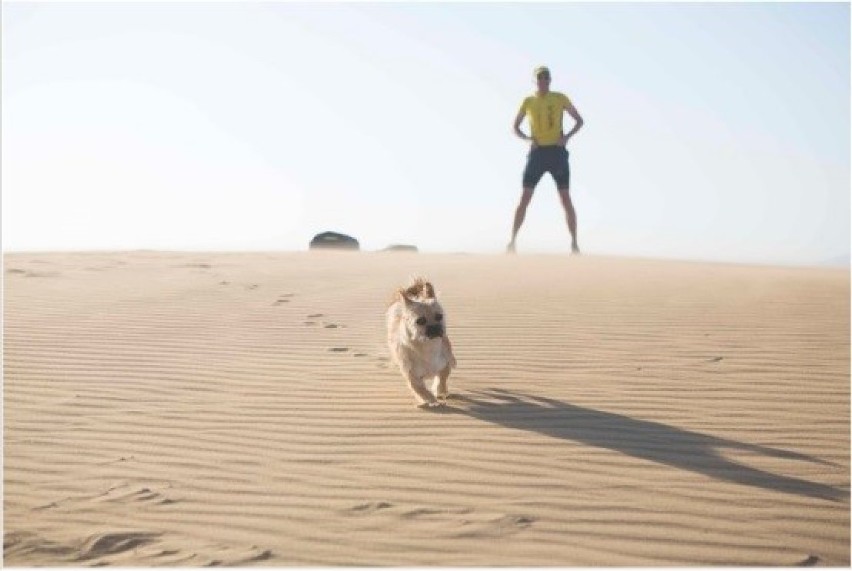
(644, 439)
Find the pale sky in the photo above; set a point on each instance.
(713, 131)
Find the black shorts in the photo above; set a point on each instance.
(552, 159)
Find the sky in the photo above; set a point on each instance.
(713, 131)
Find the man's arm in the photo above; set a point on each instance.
(517, 127)
(578, 121)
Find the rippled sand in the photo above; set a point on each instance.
(240, 409)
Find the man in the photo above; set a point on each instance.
(547, 149)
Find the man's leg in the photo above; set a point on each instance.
(570, 217)
(562, 177)
(520, 214)
(533, 172)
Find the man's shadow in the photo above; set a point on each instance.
(644, 439)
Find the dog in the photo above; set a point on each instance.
(418, 341)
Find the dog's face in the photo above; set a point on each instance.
(423, 319)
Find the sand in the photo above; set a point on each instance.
(189, 409)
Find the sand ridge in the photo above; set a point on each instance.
(240, 409)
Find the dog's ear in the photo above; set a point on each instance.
(428, 290)
(402, 295)
(421, 288)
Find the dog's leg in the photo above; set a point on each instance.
(425, 397)
(447, 348)
(443, 389)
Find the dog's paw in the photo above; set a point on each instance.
(428, 405)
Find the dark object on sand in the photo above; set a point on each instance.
(333, 241)
(400, 248)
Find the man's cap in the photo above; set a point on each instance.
(540, 70)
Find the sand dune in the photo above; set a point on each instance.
(240, 409)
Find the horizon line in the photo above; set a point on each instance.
(837, 262)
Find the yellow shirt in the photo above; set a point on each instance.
(545, 116)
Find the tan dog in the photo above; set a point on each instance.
(418, 342)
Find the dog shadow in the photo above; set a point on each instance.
(644, 439)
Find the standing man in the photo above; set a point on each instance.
(547, 150)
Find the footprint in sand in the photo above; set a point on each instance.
(715, 359)
(102, 544)
(24, 542)
(31, 274)
(262, 556)
(369, 507)
(283, 298)
(121, 459)
(438, 513)
(497, 527)
(122, 493)
(313, 315)
(339, 349)
(253, 554)
(466, 521)
(147, 548)
(49, 506)
(517, 520)
(147, 495)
